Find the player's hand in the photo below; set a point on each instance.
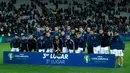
(84, 52)
(123, 51)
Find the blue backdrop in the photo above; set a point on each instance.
(93, 60)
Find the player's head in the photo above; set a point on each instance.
(109, 33)
(101, 31)
(68, 28)
(47, 28)
(56, 37)
(16, 36)
(38, 29)
(48, 34)
(31, 36)
(68, 37)
(23, 36)
(80, 29)
(91, 32)
(42, 37)
(73, 31)
(88, 29)
(78, 35)
(116, 33)
(62, 33)
(56, 28)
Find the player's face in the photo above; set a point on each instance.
(38, 29)
(56, 37)
(78, 35)
(47, 28)
(73, 31)
(62, 33)
(116, 34)
(48, 34)
(80, 29)
(88, 29)
(91, 32)
(16, 37)
(56, 29)
(23, 37)
(101, 31)
(41, 37)
(68, 28)
(68, 37)
(108, 33)
(31, 37)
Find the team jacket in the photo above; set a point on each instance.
(15, 43)
(24, 44)
(57, 44)
(104, 38)
(117, 43)
(41, 44)
(48, 42)
(70, 44)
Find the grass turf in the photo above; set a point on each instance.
(15, 68)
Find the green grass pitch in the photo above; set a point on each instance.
(15, 68)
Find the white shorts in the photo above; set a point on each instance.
(117, 52)
(97, 50)
(79, 50)
(15, 49)
(41, 50)
(104, 50)
(64, 50)
(49, 50)
(71, 51)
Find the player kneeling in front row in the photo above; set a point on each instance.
(41, 44)
(57, 45)
(15, 44)
(117, 47)
(69, 44)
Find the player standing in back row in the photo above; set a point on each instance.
(104, 38)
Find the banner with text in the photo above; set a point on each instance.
(93, 60)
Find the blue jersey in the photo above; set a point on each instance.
(48, 42)
(63, 38)
(70, 44)
(55, 33)
(93, 40)
(67, 32)
(37, 34)
(41, 44)
(80, 43)
(24, 44)
(117, 43)
(97, 41)
(15, 43)
(86, 35)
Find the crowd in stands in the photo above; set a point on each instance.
(93, 13)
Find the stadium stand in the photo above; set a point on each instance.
(24, 16)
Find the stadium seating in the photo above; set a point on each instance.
(15, 18)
